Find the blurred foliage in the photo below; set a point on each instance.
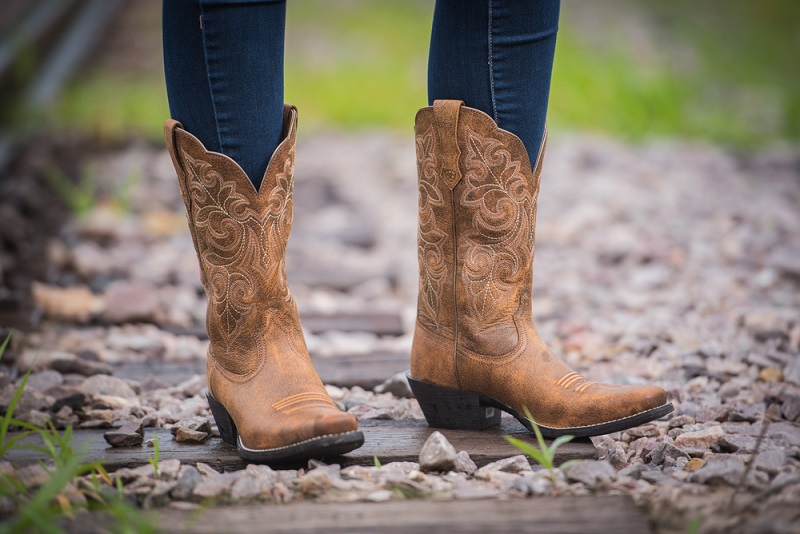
(721, 70)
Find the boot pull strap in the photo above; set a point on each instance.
(445, 114)
(170, 127)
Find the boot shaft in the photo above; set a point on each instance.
(477, 216)
(240, 236)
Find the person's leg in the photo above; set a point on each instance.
(476, 350)
(496, 56)
(224, 70)
(225, 84)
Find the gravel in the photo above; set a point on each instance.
(437, 454)
(663, 263)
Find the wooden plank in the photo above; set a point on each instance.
(381, 324)
(389, 441)
(543, 515)
(365, 370)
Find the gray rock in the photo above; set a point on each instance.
(134, 475)
(74, 402)
(737, 443)
(515, 464)
(464, 463)
(322, 478)
(159, 495)
(193, 386)
(591, 473)
(81, 366)
(437, 454)
(700, 439)
(610, 450)
(37, 418)
(44, 380)
(32, 476)
(185, 435)
(782, 480)
(131, 434)
(131, 302)
(788, 432)
(245, 488)
(215, 486)
(643, 431)
(379, 496)
(107, 385)
(748, 413)
(792, 371)
(681, 420)
(791, 407)
(169, 469)
(534, 485)
(188, 478)
(30, 399)
(397, 385)
(767, 324)
(261, 472)
(197, 424)
(770, 461)
(726, 471)
(152, 383)
(206, 470)
(109, 402)
(664, 451)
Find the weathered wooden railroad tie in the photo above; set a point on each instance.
(386, 440)
(545, 515)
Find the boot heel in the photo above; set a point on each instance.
(451, 408)
(227, 429)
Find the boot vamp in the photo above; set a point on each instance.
(283, 401)
(557, 396)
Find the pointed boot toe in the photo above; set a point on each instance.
(314, 432)
(334, 422)
(649, 397)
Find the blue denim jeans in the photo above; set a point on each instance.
(225, 78)
(496, 56)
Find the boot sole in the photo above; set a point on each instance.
(319, 447)
(465, 410)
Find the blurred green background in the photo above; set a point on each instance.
(724, 71)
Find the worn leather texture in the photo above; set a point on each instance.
(258, 365)
(475, 329)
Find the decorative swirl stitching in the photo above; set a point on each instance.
(241, 246)
(499, 246)
(432, 263)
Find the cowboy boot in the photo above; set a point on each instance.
(266, 397)
(476, 350)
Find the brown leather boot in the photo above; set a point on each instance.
(265, 395)
(476, 350)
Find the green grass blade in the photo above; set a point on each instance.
(5, 422)
(4, 345)
(527, 449)
(24, 424)
(560, 440)
(568, 463)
